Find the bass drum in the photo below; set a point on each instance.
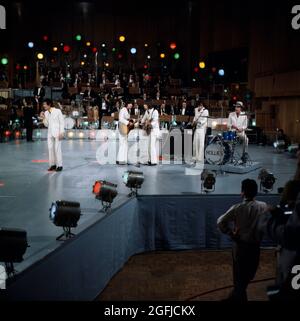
(69, 123)
(218, 153)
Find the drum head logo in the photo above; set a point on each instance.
(214, 154)
(3, 277)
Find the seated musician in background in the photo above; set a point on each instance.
(238, 122)
(164, 109)
(89, 93)
(200, 124)
(186, 109)
(150, 122)
(282, 136)
(124, 120)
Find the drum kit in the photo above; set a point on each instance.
(221, 149)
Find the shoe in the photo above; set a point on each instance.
(59, 169)
(52, 168)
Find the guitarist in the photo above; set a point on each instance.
(151, 126)
(200, 125)
(124, 121)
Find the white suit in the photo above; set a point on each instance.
(241, 122)
(199, 137)
(54, 120)
(124, 117)
(153, 115)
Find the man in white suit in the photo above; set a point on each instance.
(151, 118)
(53, 119)
(200, 122)
(124, 119)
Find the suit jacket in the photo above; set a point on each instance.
(28, 113)
(54, 120)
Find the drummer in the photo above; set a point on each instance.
(238, 122)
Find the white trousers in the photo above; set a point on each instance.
(153, 147)
(199, 141)
(244, 140)
(123, 149)
(55, 154)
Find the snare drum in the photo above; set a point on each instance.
(229, 136)
(218, 153)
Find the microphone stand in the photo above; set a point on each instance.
(138, 164)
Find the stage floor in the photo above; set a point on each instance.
(27, 189)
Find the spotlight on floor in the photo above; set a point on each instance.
(208, 181)
(134, 181)
(267, 180)
(65, 214)
(13, 245)
(106, 192)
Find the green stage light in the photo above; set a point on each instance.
(78, 37)
(176, 55)
(4, 61)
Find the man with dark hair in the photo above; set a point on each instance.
(53, 119)
(28, 113)
(240, 223)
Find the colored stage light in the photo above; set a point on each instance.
(145, 66)
(120, 56)
(25, 67)
(30, 44)
(176, 56)
(202, 64)
(122, 38)
(4, 61)
(134, 181)
(213, 69)
(106, 192)
(55, 49)
(45, 38)
(173, 45)
(267, 180)
(113, 49)
(65, 214)
(196, 69)
(70, 134)
(133, 51)
(13, 245)
(221, 72)
(82, 63)
(7, 133)
(78, 37)
(104, 54)
(85, 55)
(81, 135)
(95, 50)
(162, 55)
(106, 64)
(208, 181)
(40, 56)
(18, 67)
(146, 45)
(67, 48)
(18, 134)
(88, 43)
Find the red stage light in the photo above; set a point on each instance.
(145, 66)
(7, 133)
(18, 67)
(173, 45)
(120, 56)
(234, 98)
(17, 134)
(213, 69)
(67, 48)
(94, 50)
(196, 69)
(45, 38)
(97, 187)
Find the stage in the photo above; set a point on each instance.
(27, 190)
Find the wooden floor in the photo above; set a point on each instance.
(184, 275)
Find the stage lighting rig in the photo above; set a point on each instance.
(106, 192)
(134, 181)
(267, 180)
(13, 245)
(65, 214)
(208, 181)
